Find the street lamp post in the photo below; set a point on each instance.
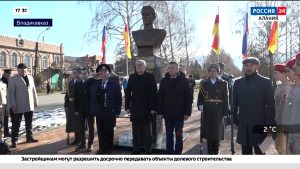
(36, 63)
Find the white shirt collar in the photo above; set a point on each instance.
(213, 81)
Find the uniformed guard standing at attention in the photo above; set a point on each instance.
(213, 101)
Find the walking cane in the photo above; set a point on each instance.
(231, 114)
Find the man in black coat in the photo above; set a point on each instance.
(72, 117)
(229, 79)
(81, 108)
(140, 101)
(253, 99)
(175, 104)
(213, 102)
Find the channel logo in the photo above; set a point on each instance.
(269, 13)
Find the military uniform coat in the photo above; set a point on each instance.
(253, 99)
(212, 126)
(280, 94)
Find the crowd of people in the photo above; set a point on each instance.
(251, 102)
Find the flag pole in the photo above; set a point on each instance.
(219, 37)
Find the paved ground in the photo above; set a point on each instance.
(53, 141)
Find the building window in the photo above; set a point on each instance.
(3, 59)
(45, 62)
(27, 60)
(14, 62)
(56, 60)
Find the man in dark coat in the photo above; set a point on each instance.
(81, 108)
(7, 111)
(140, 101)
(105, 103)
(72, 116)
(175, 104)
(253, 99)
(229, 79)
(213, 102)
(192, 84)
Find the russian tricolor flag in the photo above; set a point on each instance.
(245, 36)
(103, 45)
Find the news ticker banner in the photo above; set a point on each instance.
(215, 159)
(263, 14)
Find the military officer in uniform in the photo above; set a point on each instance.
(105, 103)
(213, 102)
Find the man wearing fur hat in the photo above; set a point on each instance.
(253, 100)
(213, 102)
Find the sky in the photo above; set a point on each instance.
(71, 20)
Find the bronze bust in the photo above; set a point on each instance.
(148, 40)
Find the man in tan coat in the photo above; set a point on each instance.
(2, 103)
(283, 87)
(22, 100)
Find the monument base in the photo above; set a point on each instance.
(125, 141)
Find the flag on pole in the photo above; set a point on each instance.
(245, 36)
(127, 41)
(103, 45)
(273, 39)
(216, 42)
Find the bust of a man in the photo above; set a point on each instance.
(148, 40)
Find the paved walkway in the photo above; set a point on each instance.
(53, 141)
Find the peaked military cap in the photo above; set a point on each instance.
(252, 60)
(222, 65)
(214, 66)
(103, 67)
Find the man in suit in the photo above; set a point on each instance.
(81, 108)
(253, 99)
(22, 101)
(7, 112)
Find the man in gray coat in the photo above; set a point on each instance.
(253, 99)
(22, 101)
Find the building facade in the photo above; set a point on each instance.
(17, 50)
